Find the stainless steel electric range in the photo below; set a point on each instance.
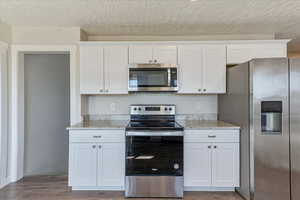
(154, 152)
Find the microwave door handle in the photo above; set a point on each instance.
(169, 77)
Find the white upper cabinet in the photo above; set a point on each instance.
(103, 69)
(165, 54)
(147, 54)
(116, 69)
(225, 165)
(240, 53)
(202, 69)
(141, 54)
(214, 69)
(91, 69)
(190, 59)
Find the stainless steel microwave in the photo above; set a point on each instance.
(153, 78)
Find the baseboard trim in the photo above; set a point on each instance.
(5, 183)
(186, 188)
(209, 189)
(83, 188)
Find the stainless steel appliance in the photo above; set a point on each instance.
(264, 99)
(154, 152)
(152, 77)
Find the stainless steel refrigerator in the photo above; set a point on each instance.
(263, 97)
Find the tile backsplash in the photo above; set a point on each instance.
(195, 106)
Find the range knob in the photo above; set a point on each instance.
(170, 109)
(166, 109)
(140, 109)
(134, 108)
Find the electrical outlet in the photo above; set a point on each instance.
(113, 107)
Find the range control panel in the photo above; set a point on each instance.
(153, 109)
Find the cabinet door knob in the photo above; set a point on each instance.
(99, 146)
(94, 146)
(215, 146)
(204, 90)
(155, 61)
(199, 90)
(209, 146)
(101, 90)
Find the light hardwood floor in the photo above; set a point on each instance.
(55, 188)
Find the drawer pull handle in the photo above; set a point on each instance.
(215, 147)
(211, 136)
(95, 136)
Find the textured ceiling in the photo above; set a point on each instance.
(160, 17)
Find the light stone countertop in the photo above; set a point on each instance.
(100, 124)
(207, 124)
(121, 124)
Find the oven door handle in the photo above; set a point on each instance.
(154, 133)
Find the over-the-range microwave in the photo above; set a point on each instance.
(153, 78)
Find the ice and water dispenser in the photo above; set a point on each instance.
(271, 117)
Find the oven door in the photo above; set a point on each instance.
(152, 79)
(154, 155)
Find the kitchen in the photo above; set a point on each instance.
(148, 117)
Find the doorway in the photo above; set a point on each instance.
(46, 113)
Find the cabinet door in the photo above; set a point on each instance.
(239, 53)
(190, 59)
(214, 69)
(91, 69)
(83, 164)
(225, 165)
(141, 54)
(116, 69)
(111, 163)
(197, 164)
(165, 54)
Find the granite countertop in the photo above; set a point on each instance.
(100, 124)
(206, 124)
(121, 124)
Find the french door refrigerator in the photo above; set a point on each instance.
(263, 97)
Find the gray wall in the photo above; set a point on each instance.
(46, 114)
(186, 104)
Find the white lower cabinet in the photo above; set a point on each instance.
(111, 163)
(213, 164)
(99, 164)
(83, 164)
(225, 164)
(197, 164)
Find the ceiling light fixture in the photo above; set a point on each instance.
(193, 0)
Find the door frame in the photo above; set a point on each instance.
(3, 113)
(16, 162)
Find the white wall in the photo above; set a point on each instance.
(47, 88)
(45, 35)
(5, 32)
(186, 104)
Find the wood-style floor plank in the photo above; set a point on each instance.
(55, 188)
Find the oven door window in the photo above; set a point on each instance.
(152, 77)
(154, 155)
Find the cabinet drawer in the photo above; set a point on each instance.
(193, 136)
(97, 136)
